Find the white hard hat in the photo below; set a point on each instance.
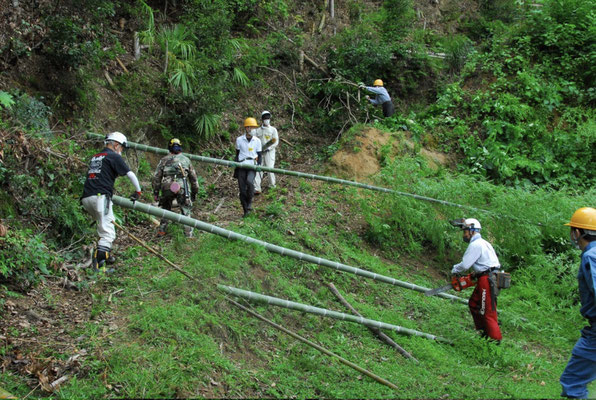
(472, 223)
(116, 137)
(265, 113)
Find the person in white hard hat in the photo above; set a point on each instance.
(481, 257)
(104, 168)
(269, 141)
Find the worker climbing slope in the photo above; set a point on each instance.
(381, 98)
(104, 168)
(269, 138)
(175, 178)
(480, 256)
(581, 369)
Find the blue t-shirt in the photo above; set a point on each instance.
(104, 168)
(587, 282)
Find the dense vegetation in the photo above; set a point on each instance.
(512, 100)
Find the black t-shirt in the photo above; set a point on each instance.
(104, 168)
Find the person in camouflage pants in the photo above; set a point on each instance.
(169, 179)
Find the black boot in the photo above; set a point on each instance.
(100, 259)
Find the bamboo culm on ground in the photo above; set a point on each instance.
(376, 331)
(169, 215)
(326, 313)
(316, 346)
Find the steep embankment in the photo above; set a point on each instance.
(148, 331)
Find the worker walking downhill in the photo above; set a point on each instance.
(104, 168)
(248, 151)
(381, 97)
(581, 369)
(269, 138)
(482, 257)
(176, 178)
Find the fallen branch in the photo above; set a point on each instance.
(376, 331)
(286, 142)
(219, 205)
(54, 385)
(171, 264)
(122, 65)
(316, 346)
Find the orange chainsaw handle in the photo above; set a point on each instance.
(462, 282)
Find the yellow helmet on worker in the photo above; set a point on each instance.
(583, 218)
(250, 122)
(378, 82)
(175, 145)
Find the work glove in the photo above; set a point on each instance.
(193, 196)
(361, 85)
(135, 196)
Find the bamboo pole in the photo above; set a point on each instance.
(331, 179)
(5, 395)
(316, 346)
(169, 215)
(376, 331)
(161, 256)
(327, 313)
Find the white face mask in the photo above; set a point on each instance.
(266, 122)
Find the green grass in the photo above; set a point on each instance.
(180, 338)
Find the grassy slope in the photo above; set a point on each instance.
(182, 339)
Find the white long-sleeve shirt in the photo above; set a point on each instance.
(479, 254)
(265, 134)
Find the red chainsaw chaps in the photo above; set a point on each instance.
(483, 312)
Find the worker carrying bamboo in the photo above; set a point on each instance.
(381, 97)
(98, 189)
(581, 369)
(480, 256)
(176, 178)
(248, 151)
(269, 138)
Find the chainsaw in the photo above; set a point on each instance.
(458, 283)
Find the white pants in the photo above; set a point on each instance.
(96, 206)
(268, 161)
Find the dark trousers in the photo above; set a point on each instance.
(246, 184)
(388, 109)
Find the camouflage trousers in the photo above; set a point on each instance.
(165, 202)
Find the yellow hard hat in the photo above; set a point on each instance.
(174, 141)
(583, 218)
(250, 122)
(378, 82)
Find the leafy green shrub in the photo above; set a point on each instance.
(398, 222)
(23, 255)
(69, 45)
(31, 113)
(457, 48)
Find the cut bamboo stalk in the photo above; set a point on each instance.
(376, 331)
(316, 346)
(171, 216)
(327, 313)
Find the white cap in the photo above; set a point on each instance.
(265, 113)
(117, 137)
(472, 223)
